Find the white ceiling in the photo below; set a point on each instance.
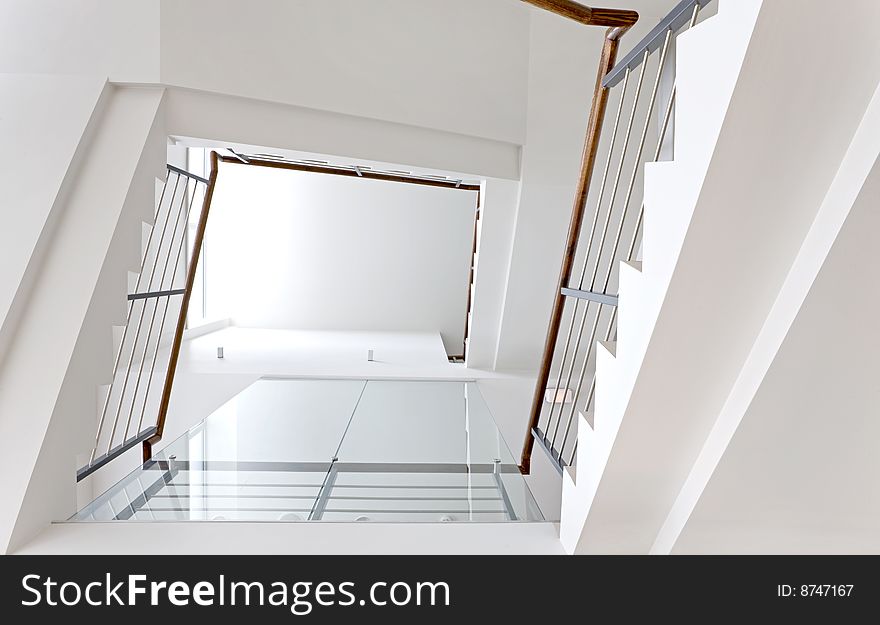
(306, 251)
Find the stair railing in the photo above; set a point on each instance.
(191, 271)
(586, 299)
(125, 414)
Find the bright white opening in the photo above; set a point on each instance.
(307, 251)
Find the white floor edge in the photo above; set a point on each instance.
(191, 538)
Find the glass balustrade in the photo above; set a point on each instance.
(331, 450)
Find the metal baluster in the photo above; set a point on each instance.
(167, 298)
(130, 309)
(141, 318)
(604, 235)
(164, 315)
(667, 115)
(587, 255)
(611, 264)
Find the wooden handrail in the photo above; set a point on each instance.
(611, 18)
(618, 22)
(184, 309)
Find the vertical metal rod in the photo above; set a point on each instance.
(605, 226)
(637, 165)
(162, 323)
(608, 333)
(587, 256)
(128, 317)
(628, 197)
(591, 145)
(324, 495)
(619, 170)
(630, 254)
(580, 379)
(667, 115)
(141, 317)
(184, 307)
(509, 510)
(156, 305)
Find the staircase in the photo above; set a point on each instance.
(708, 62)
(61, 343)
(129, 406)
(641, 363)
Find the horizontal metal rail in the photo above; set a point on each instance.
(214, 495)
(322, 511)
(100, 461)
(555, 456)
(602, 298)
(133, 296)
(676, 19)
(188, 174)
(340, 467)
(318, 485)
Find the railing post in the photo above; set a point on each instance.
(184, 309)
(591, 146)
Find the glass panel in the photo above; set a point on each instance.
(332, 450)
(262, 456)
(426, 451)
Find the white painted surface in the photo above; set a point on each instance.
(556, 122)
(43, 140)
(799, 473)
(237, 120)
(301, 353)
(115, 38)
(497, 219)
(297, 538)
(305, 251)
(428, 63)
(800, 497)
(711, 237)
(40, 431)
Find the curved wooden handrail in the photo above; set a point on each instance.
(611, 18)
(617, 21)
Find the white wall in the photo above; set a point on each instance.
(115, 38)
(561, 80)
(454, 65)
(43, 426)
(563, 61)
(497, 221)
(42, 140)
(318, 252)
(800, 472)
